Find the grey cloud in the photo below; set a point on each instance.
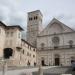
(68, 19)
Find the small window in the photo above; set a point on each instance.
(36, 17)
(28, 63)
(34, 63)
(23, 51)
(0, 31)
(7, 34)
(11, 33)
(70, 43)
(30, 19)
(34, 49)
(19, 35)
(42, 45)
(33, 56)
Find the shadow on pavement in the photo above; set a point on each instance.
(70, 71)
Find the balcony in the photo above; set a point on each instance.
(56, 48)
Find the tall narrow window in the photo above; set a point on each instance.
(0, 31)
(42, 45)
(36, 17)
(19, 35)
(70, 43)
(7, 34)
(11, 34)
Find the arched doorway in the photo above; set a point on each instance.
(72, 59)
(57, 59)
(42, 61)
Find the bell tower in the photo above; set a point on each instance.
(34, 24)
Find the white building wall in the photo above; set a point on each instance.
(65, 56)
(2, 40)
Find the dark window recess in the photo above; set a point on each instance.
(34, 49)
(70, 43)
(7, 53)
(23, 51)
(36, 17)
(33, 55)
(34, 63)
(28, 63)
(55, 47)
(30, 19)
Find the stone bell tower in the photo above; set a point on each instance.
(34, 23)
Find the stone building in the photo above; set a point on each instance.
(10, 37)
(28, 57)
(55, 43)
(34, 23)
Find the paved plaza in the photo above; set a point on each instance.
(57, 71)
(47, 70)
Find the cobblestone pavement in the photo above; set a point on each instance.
(57, 71)
(23, 70)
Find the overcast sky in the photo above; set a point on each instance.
(15, 11)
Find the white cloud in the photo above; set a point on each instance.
(66, 18)
(12, 11)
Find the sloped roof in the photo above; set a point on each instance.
(2, 24)
(27, 43)
(57, 21)
(13, 26)
(16, 26)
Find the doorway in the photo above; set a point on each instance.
(42, 62)
(57, 60)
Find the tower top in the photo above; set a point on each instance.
(36, 11)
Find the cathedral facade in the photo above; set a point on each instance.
(55, 44)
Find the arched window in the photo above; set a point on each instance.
(42, 45)
(70, 43)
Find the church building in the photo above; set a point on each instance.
(55, 44)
